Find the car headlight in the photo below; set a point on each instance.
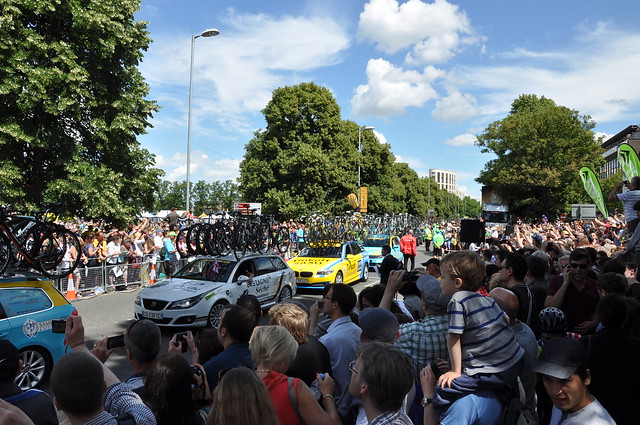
(138, 300)
(186, 303)
(324, 272)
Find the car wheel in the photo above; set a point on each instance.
(285, 294)
(215, 313)
(365, 273)
(339, 279)
(36, 367)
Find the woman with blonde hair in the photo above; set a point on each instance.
(312, 357)
(273, 349)
(240, 399)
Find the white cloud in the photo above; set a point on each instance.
(456, 107)
(466, 139)
(390, 90)
(414, 163)
(202, 167)
(223, 169)
(597, 76)
(236, 72)
(380, 137)
(435, 30)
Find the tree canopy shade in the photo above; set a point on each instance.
(72, 102)
(539, 148)
(307, 158)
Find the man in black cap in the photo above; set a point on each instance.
(563, 365)
(433, 267)
(35, 403)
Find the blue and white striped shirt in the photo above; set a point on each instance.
(488, 344)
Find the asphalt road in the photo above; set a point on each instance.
(109, 314)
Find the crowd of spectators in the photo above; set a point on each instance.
(548, 311)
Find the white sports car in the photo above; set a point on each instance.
(197, 294)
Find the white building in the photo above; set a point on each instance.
(446, 180)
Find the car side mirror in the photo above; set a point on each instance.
(242, 279)
(350, 256)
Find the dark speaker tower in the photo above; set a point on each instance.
(471, 231)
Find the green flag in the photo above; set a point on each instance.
(628, 159)
(592, 186)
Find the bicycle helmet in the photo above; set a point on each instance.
(552, 320)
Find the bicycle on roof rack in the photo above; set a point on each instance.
(30, 243)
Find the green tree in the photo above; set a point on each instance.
(306, 159)
(72, 102)
(540, 146)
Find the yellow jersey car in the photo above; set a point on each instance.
(317, 266)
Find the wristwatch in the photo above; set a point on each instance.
(426, 401)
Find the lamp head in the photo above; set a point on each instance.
(211, 32)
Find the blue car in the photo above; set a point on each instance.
(27, 306)
(373, 245)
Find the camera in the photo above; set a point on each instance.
(196, 370)
(409, 276)
(180, 337)
(58, 326)
(115, 342)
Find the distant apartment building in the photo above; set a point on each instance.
(629, 135)
(446, 180)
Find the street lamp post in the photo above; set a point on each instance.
(212, 32)
(360, 129)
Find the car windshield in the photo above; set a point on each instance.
(207, 269)
(376, 241)
(324, 252)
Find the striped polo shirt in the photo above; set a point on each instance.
(488, 344)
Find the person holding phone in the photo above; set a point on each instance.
(142, 343)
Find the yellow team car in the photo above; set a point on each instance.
(317, 266)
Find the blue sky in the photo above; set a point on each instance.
(427, 75)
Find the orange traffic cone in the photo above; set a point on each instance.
(152, 274)
(71, 289)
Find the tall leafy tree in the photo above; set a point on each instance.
(298, 163)
(72, 102)
(539, 148)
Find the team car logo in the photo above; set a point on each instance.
(31, 328)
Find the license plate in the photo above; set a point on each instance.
(301, 281)
(151, 315)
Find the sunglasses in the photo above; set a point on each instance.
(576, 266)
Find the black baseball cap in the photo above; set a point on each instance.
(561, 357)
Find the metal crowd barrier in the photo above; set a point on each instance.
(108, 277)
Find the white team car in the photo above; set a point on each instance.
(197, 294)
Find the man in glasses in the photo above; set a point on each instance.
(575, 294)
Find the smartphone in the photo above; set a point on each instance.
(436, 370)
(115, 342)
(58, 326)
(320, 304)
(180, 337)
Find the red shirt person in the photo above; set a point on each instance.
(409, 249)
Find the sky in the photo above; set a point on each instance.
(428, 75)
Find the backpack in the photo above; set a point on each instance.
(515, 411)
